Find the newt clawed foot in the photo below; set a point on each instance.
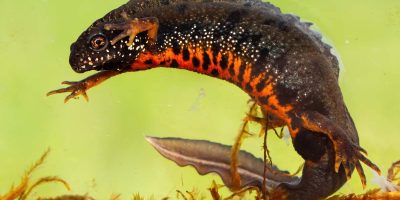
(348, 154)
(131, 27)
(76, 88)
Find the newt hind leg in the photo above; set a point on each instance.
(347, 152)
(266, 122)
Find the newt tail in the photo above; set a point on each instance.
(273, 57)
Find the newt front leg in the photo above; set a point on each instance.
(131, 27)
(80, 87)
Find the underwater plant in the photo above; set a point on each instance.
(173, 149)
(25, 187)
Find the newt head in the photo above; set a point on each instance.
(110, 47)
(94, 50)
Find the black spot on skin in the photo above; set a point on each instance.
(285, 95)
(183, 26)
(164, 2)
(280, 62)
(310, 145)
(260, 86)
(214, 72)
(242, 40)
(185, 54)
(232, 69)
(249, 88)
(182, 8)
(283, 26)
(215, 60)
(206, 61)
(269, 22)
(242, 68)
(215, 48)
(297, 39)
(264, 52)
(175, 47)
(255, 38)
(264, 99)
(235, 16)
(195, 62)
(174, 64)
(247, 4)
(162, 63)
(148, 62)
(224, 62)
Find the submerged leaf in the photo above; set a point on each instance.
(207, 157)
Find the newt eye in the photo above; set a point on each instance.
(98, 42)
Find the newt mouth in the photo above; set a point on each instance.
(106, 66)
(85, 68)
(112, 66)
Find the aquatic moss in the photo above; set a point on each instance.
(26, 186)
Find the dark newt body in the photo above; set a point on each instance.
(273, 57)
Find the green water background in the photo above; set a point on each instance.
(99, 147)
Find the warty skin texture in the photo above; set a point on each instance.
(273, 57)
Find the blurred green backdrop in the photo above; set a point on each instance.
(99, 146)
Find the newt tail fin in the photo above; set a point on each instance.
(207, 157)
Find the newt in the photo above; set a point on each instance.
(274, 57)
